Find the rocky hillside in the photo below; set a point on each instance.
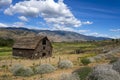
(56, 36)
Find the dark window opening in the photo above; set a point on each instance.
(43, 54)
(44, 42)
(43, 47)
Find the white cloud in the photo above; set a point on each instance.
(115, 30)
(23, 18)
(97, 34)
(83, 31)
(3, 25)
(15, 24)
(87, 22)
(41, 24)
(58, 27)
(56, 13)
(116, 37)
(94, 34)
(4, 3)
(18, 24)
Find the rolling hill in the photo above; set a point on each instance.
(55, 36)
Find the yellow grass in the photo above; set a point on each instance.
(53, 60)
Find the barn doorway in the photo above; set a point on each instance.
(43, 54)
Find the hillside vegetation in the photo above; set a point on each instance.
(6, 42)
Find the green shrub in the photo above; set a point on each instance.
(44, 68)
(113, 60)
(65, 64)
(4, 66)
(20, 70)
(6, 42)
(47, 79)
(5, 77)
(83, 72)
(85, 61)
(91, 59)
(69, 77)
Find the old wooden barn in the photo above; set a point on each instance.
(32, 47)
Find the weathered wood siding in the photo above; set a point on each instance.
(43, 50)
(23, 53)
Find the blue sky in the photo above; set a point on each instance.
(89, 17)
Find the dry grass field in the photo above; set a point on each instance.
(61, 51)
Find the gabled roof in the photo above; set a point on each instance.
(28, 42)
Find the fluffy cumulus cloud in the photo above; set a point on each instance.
(4, 3)
(3, 25)
(23, 18)
(56, 13)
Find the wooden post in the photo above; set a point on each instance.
(33, 63)
(59, 59)
(78, 59)
(11, 61)
(45, 59)
(68, 57)
(40, 61)
(49, 60)
(5, 66)
(0, 63)
(19, 61)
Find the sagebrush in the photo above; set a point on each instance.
(103, 72)
(20, 70)
(65, 64)
(44, 68)
(69, 77)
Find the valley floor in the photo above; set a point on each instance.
(100, 52)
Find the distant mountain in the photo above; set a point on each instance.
(56, 36)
